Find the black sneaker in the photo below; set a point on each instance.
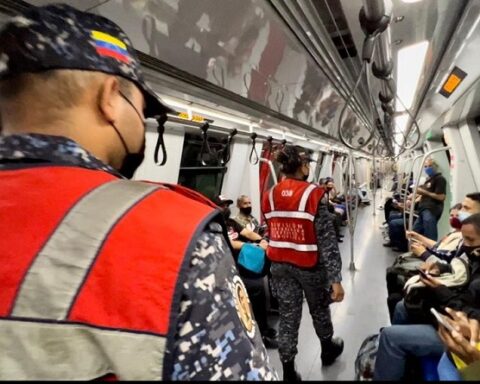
(331, 351)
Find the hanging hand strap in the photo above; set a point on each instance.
(205, 146)
(268, 151)
(226, 155)
(253, 158)
(160, 141)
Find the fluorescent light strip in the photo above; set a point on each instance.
(410, 62)
(208, 113)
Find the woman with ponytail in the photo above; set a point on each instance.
(305, 258)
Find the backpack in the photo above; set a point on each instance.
(252, 258)
(365, 360)
(403, 268)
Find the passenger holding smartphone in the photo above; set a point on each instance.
(460, 334)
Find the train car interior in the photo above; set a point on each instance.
(377, 93)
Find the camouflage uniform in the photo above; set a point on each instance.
(289, 283)
(211, 342)
(248, 222)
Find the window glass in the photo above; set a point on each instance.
(200, 170)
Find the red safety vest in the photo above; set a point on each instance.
(91, 273)
(290, 208)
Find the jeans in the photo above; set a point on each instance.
(396, 232)
(401, 340)
(400, 316)
(426, 224)
(447, 370)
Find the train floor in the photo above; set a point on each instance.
(364, 310)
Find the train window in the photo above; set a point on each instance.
(206, 177)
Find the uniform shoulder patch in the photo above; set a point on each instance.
(243, 306)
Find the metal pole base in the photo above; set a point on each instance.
(352, 267)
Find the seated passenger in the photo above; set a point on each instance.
(335, 214)
(446, 248)
(420, 250)
(244, 216)
(396, 228)
(254, 282)
(462, 359)
(404, 339)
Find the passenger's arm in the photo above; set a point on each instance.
(250, 235)
(436, 196)
(440, 190)
(211, 339)
(422, 239)
(328, 246)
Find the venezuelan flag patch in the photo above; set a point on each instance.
(107, 45)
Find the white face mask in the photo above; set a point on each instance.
(462, 215)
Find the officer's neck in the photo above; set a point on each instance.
(87, 132)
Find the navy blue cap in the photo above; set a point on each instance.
(61, 37)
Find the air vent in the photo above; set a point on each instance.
(333, 18)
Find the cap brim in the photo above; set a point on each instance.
(153, 104)
(223, 202)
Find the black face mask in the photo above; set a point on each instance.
(132, 161)
(247, 211)
(226, 213)
(471, 251)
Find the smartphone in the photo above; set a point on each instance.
(422, 272)
(440, 319)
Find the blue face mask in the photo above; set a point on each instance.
(430, 171)
(462, 215)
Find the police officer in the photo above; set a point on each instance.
(305, 258)
(96, 279)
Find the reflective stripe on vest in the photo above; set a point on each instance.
(60, 268)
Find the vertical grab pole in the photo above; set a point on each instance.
(374, 189)
(350, 216)
(412, 205)
(405, 194)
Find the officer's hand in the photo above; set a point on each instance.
(337, 292)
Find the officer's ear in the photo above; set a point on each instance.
(109, 100)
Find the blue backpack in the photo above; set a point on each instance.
(252, 258)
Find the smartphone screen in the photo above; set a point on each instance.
(441, 320)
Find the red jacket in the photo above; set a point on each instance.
(290, 208)
(94, 272)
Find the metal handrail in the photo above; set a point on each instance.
(406, 189)
(351, 223)
(272, 169)
(425, 157)
(374, 189)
